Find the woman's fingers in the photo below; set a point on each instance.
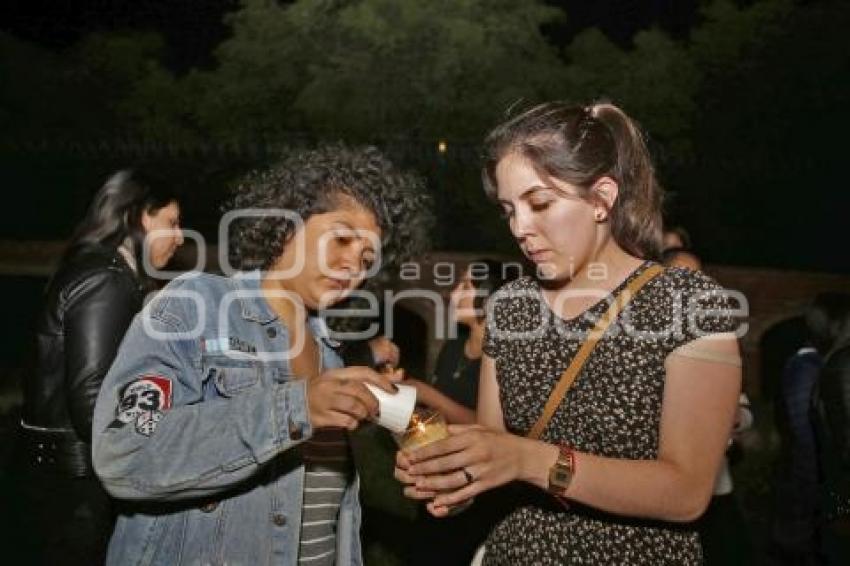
(340, 399)
(384, 351)
(361, 374)
(401, 460)
(452, 498)
(412, 492)
(455, 479)
(350, 395)
(404, 477)
(350, 405)
(347, 422)
(365, 375)
(437, 511)
(442, 464)
(382, 381)
(442, 482)
(440, 510)
(409, 482)
(456, 429)
(441, 447)
(333, 419)
(355, 399)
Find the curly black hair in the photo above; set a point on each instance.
(311, 181)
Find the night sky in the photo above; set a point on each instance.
(191, 28)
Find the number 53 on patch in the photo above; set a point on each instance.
(143, 401)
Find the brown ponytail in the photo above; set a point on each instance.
(637, 216)
(578, 145)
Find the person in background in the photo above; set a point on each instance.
(132, 224)
(453, 387)
(832, 427)
(794, 531)
(222, 426)
(777, 345)
(677, 249)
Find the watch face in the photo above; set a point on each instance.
(560, 476)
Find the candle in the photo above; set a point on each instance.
(425, 426)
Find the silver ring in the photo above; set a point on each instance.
(467, 475)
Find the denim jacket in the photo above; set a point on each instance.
(196, 429)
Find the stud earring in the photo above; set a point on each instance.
(599, 216)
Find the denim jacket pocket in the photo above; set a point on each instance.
(231, 377)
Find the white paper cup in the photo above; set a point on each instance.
(396, 408)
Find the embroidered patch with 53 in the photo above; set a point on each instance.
(143, 401)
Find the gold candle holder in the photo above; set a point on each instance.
(425, 426)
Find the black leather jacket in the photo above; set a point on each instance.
(89, 304)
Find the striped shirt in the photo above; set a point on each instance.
(328, 471)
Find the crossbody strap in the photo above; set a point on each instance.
(572, 371)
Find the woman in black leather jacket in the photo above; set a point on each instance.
(130, 229)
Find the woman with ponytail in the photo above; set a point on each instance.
(131, 226)
(608, 385)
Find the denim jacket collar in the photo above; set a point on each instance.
(254, 306)
(320, 330)
(259, 310)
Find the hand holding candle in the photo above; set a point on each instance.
(471, 460)
(426, 427)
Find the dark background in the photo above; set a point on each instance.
(745, 104)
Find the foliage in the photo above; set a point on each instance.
(752, 100)
(376, 69)
(656, 81)
(125, 70)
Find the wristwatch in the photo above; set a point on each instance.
(561, 474)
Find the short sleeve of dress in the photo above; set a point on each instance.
(703, 308)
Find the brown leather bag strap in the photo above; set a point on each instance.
(572, 371)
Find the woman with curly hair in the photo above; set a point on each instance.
(222, 427)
